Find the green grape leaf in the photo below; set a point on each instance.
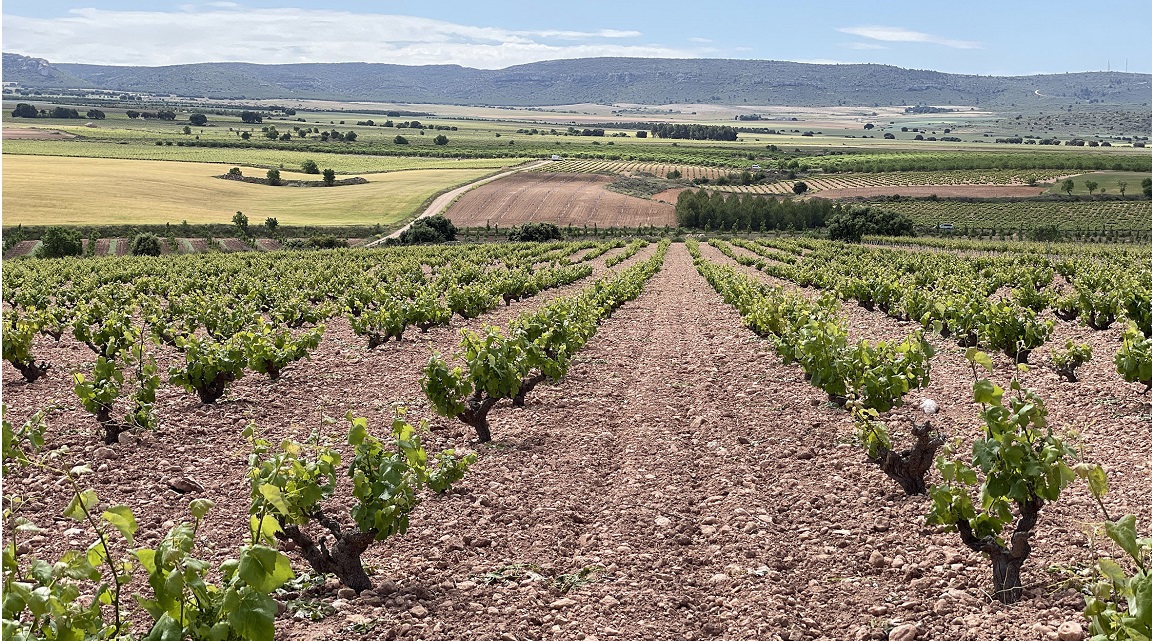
(83, 502)
(1123, 532)
(122, 519)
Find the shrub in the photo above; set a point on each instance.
(850, 225)
(271, 223)
(400, 140)
(327, 241)
(310, 167)
(274, 177)
(60, 241)
(241, 221)
(25, 110)
(434, 229)
(145, 245)
(535, 232)
(440, 140)
(800, 187)
(329, 177)
(235, 171)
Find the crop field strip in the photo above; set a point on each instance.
(1072, 215)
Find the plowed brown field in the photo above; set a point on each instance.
(561, 198)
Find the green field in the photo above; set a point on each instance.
(42, 190)
(1108, 181)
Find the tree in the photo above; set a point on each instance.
(400, 140)
(1146, 187)
(245, 135)
(95, 114)
(271, 223)
(274, 177)
(350, 136)
(63, 112)
(241, 221)
(251, 117)
(310, 167)
(187, 130)
(799, 187)
(329, 177)
(132, 114)
(869, 126)
(25, 110)
(1091, 186)
(1067, 186)
(642, 134)
(271, 134)
(1122, 186)
(58, 242)
(235, 171)
(440, 140)
(198, 119)
(145, 245)
(535, 232)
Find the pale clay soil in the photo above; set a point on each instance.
(711, 489)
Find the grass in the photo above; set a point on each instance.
(41, 190)
(1108, 181)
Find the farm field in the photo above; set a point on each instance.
(265, 158)
(564, 199)
(1134, 215)
(679, 480)
(1108, 182)
(88, 191)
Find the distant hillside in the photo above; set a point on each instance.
(596, 80)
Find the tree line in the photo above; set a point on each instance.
(746, 212)
(694, 132)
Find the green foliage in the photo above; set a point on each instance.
(309, 166)
(1070, 357)
(145, 245)
(209, 366)
(268, 350)
(1018, 462)
(535, 232)
(1134, 359)
(853, 223)
(431, 229)
(329, 177)
(20, 329)
(57, 242)
(274, 174)
(241, 220)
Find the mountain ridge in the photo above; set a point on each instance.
(591, 80)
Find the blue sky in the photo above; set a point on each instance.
(977, 36)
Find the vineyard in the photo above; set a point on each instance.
(598, 439)
(1069, 216)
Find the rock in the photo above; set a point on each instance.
(609, 601)
(562, 603)
(346, 593)
(928, 406)
(805, 454)
(1070, 631)
(897, 562)
(941, 606)
(663, 521)
(696, 423)
(743, 440)
(185, 484)
(905, 632)
(481, 542)
(876, 559)
(104, 453)
(127, 438)
(339, 604)
(418, 611)
(720, 578)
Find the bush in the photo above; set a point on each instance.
(850, 225)
(400, 140)
(799, 187)
(235, 171)
(310, 167)
(25, 110)
(535, 232)
(241, 221)
(274, 177)
(145, 245)
(434, 229)
(1045, 233)
(198, 119)
(440, 140)
(327, 241)
(329, 177)
(60, 241)
(271, 223)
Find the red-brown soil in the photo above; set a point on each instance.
(561, 198)
(22, 133)
(710, 488)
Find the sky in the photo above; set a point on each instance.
(1005, 37)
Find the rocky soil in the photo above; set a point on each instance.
(681, 482)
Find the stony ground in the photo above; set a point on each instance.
(686, 482)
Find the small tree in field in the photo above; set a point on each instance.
(329, 177)
(60, 241)
(241, 221)
(198, 119)
(310, 167)
(800, 187)
(271, 223)
(145, 245)
(1122, 186)
(440, 140)
(274, 177)
(1067, 186)
(1091, 186)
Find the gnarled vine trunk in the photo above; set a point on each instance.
(342, 559)
(476, 414)
(526, 386)
(1006, 560)
(30, 370)
(909, 467)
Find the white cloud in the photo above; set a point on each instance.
(702, 41)
(227, 32)
(898, 34)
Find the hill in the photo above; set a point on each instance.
(593, 80)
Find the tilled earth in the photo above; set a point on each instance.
(685, 484)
